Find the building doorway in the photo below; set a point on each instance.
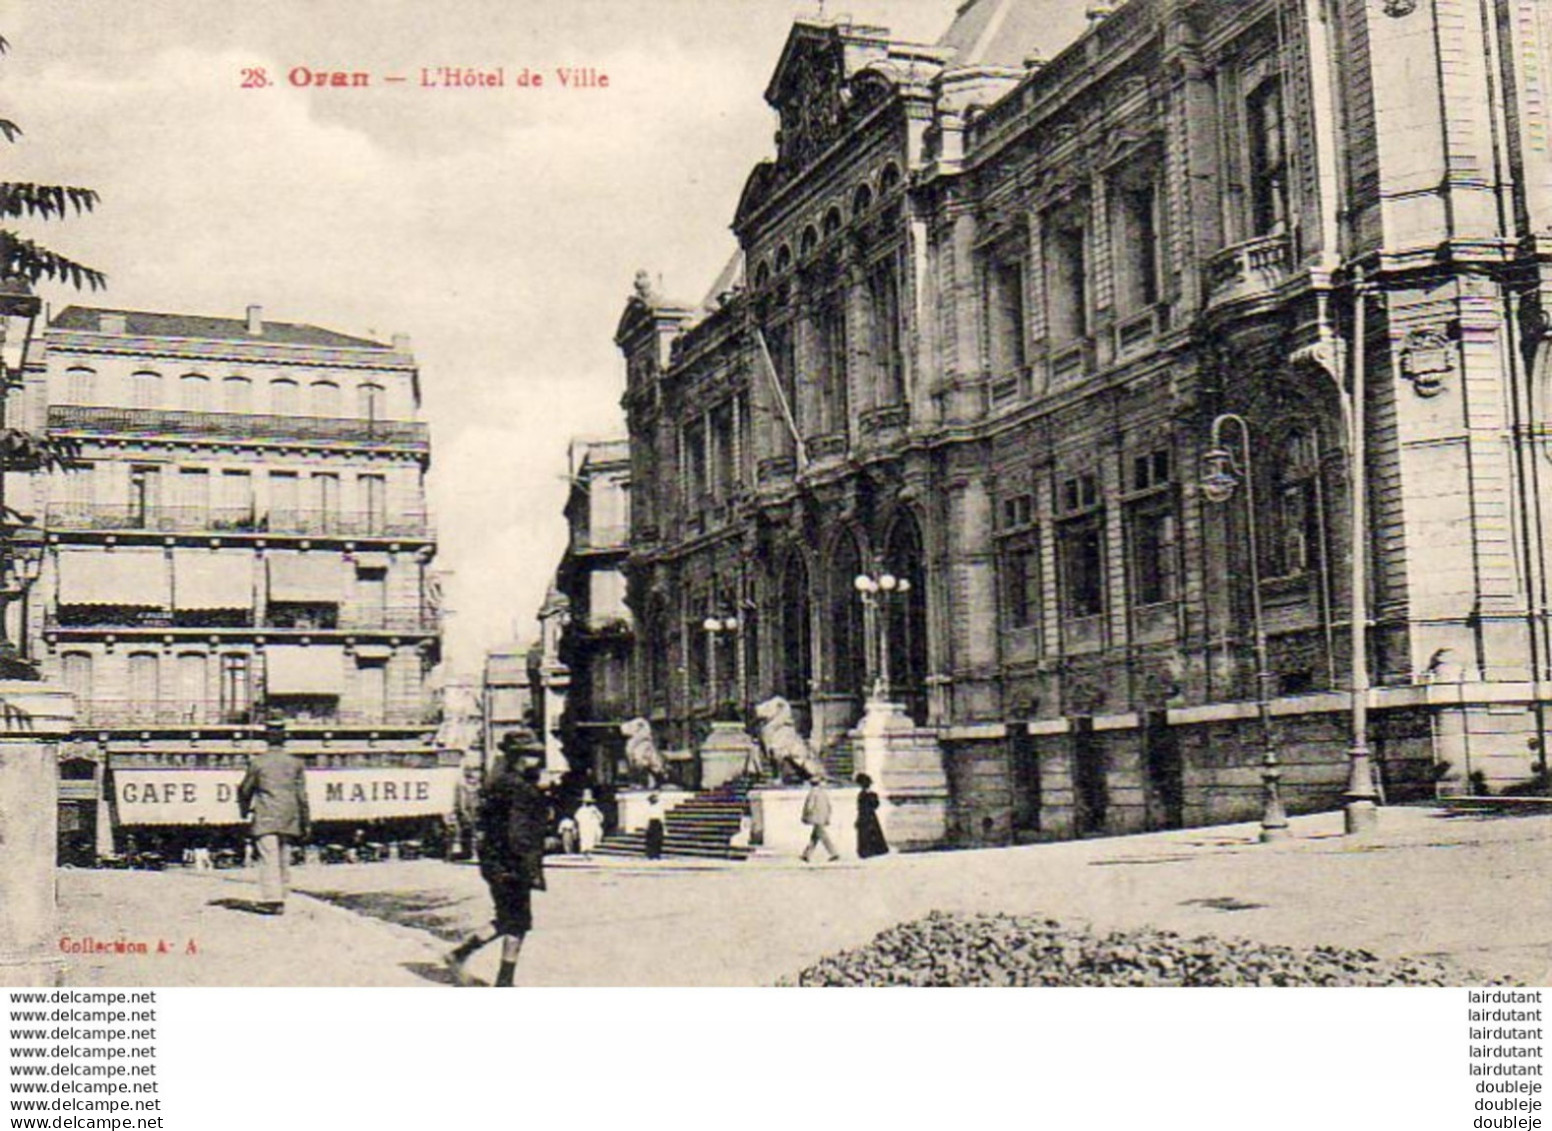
(907, 619)
(1027, 798)
(1166, 772)
(1090, 773)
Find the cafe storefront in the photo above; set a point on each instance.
(357, 812)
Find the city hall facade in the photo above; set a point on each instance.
(1068, 320)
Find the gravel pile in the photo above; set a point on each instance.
(1008, 950)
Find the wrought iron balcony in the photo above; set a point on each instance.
(158, 423)
(412, 620)
(214, 713)
(236, 520)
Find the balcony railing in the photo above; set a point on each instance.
(1250, 270)
(238, 520)
(157, 423)
(184, 713)
(408, 619)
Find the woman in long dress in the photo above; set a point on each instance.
(870, 834)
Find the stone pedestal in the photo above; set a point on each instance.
(34, 717)
(777, 813)
(724, 754)
(906, 765)
(632, 805)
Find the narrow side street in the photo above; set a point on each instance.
(1470, 889)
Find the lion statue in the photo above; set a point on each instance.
(641, 753)
(783, 744)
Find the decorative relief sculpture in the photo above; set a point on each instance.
(1427, 356)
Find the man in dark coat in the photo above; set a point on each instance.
(273, 798)
(512, 823)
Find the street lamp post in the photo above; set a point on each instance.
(1220, 480)
(719, 627)
(876, 592)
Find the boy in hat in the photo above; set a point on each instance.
(512, 821)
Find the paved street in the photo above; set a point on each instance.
(1469, 888)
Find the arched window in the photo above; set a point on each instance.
(77, 667)
(194, 392)
(80, 385)
(237, 394)
(1292, 545)
(324, 399)
(809, 240)
(832, 221)
(145, 689)
(370, 401)
(847, 671)
(795, 672)
(861, 200)
(906, 617)
(283, 397)
(783, 258)
(889, 179)
(145, 389)
(762, 274)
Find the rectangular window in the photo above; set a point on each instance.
(1018, 510)
(144, 495)
(1135, 230)
(1005, 317)
(1067, 279)
(284, 500)
(1150, 469)
(1077, 493)
(1021, 583)
(830, 325)
(1267, 158)
(372, 691)
(234, 505)
(1081, 558)
(236, 689)
(1153, 554)
(374, 502)
(326, 502)
(884, 317)
(722, 451)
(194, 497)
(696, 464)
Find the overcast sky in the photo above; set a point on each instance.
(500, 229)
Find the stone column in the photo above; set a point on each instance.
(34, 718)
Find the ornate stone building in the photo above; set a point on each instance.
(1019, 305)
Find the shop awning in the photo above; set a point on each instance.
(128, 576)
(314, 578)
(212, 579)
(292, 670)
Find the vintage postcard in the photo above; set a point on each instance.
(750, 492)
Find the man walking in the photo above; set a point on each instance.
(273, 797)
(512, 821)
(816, 814)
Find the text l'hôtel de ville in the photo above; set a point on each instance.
(455, 78)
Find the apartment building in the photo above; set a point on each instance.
(243, 539)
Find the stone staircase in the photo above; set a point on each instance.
(700, 827)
